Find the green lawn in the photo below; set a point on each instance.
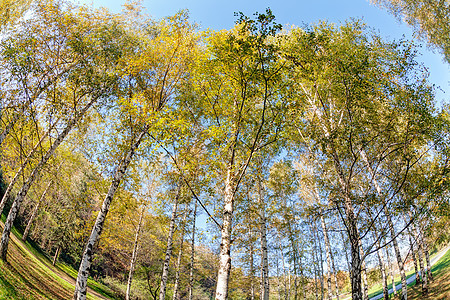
(441, 267)
(29, 274)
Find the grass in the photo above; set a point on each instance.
(378, 289)
(29, 274)
(439, 288)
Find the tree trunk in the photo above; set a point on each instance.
(383, 273)
(399, 258)
(35, 210)
(8, 128)
(365, 290)
(391, 271)
(278, 279)
(83, 271)
(427, 256)
(191, 265)
(180, 253)
(225, 245)
(302, 278)
(55, 257)
(264, 260)
(165, 270)
(352, 228)
(335, 275)
(22, 167)
(252, 269)
(316, 271)
(319, 258)
(134, 254)
(284, 269)
(26, 186)
(414, 257)
(345, 252)
(328, 254)
(30, 100)
(423, 273)
(391, 227)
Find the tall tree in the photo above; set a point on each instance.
(237, 90)
(153, 64)
(429, 18)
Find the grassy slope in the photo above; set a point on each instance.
(28, 274)
(439, 288)
(441, 273)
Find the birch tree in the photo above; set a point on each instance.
(335, 91)
(237, 94)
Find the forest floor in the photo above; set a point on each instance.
(29, 274)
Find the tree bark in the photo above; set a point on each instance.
(180, 253)
(352, 228)
(365, 290)
(391, 227)
(399, 258)
(134, 254)
(319, 259)
(26, 186)
(252, 268)
(191, 264)
(391, 271)
(264, 258)
(284, 269)
(427, 256)
(35, 210)
(315, 267)
(55, 257)
(328, 254)
(83, 271)
(423, 273)
(225, 245)
(383, 273)
(165, 270)
(22, 167)
(414, 257)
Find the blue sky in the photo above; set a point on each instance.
(218, 15)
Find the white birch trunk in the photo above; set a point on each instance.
(423, 272)
(427, 256)
(365, 285)
(391, 227)
(352, 229)
(191, 265)
(391, 271)
(328, 254)
(83, 271)
(252, 270)
(225, 245)
(180, 253)
(134, 255)
(26, 186)
(399, 258)
(383, 273)
(320, 257)
(22, 167)
(264, 250)
(55, 257)
(284, 269)
(35, 210)
(413, 256)
(165, 270)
